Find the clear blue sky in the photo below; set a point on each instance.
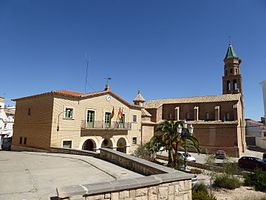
(165, 48)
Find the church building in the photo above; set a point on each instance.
(218, 121)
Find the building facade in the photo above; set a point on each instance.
(218, 120)
(81, 121)
(6, 121)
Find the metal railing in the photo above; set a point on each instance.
(103, 125)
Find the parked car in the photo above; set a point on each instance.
(247, 162)
(220, 154)
(6, 145)
(182, 156)
(264, 156)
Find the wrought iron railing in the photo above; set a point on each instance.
(104, 125)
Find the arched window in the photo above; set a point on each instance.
(228, 86)
(235, 85)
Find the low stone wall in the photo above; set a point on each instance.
(175, 190)
(132, 163)
(159, 182)
(55, 150)
(26, 148)
(73, 151)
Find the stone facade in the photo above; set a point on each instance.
(80, 121)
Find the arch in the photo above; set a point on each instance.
(89, 145)
(228, 85)
(121, 145)
(107, 143)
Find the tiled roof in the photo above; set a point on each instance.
(145, 113)
(139, 98)
(69, 92)
(80, 95)
(199, 99)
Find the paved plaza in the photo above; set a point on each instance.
(28, 175)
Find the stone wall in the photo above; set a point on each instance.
(170, 191)
(158, 182)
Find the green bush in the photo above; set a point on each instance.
(200, 192)
(195, 171)
(227, 181)
(257, 180)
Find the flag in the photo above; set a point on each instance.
(113, 113)
(120, 114)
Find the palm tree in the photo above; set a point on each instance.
(171, 140)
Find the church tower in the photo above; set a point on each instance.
(232, 80)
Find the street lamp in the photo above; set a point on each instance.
(57, 128)
(185, 131)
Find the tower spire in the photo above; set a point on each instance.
(232, 80)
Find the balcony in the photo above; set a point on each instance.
(99, 128)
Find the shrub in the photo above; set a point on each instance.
(143, 152)
(227, 181)
(200, 192)
(257, 180)
(195, 171)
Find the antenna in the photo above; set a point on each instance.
(107, 80)
(86, 74)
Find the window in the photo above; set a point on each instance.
(20, 140)
(134, 140)
(90, 118)
(235, 85)
(107, 120)
(69, 113)
(67, 144)
(264, 133)
(228, 86)
(25, 140)
(188, 115)
(29, 111)
(134, 118)
(207, 116)
(231, 71)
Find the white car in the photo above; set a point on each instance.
(190, 158)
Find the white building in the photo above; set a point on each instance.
(6, 121)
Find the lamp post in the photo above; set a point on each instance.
(58, 120)
(185, 131)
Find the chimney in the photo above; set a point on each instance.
(107, 87)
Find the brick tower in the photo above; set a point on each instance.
(232, 80)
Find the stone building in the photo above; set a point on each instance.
(218, 120)
(85, 121)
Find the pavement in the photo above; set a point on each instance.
(30, 176)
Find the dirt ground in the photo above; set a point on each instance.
(242, 193)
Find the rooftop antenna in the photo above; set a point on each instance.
(86, 74)
(107, 80)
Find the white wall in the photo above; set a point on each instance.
(6, 123)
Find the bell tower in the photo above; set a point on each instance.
(232, 80)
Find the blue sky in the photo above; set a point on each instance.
(165, 48)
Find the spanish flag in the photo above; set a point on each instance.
(120, 114)
(113, 112)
